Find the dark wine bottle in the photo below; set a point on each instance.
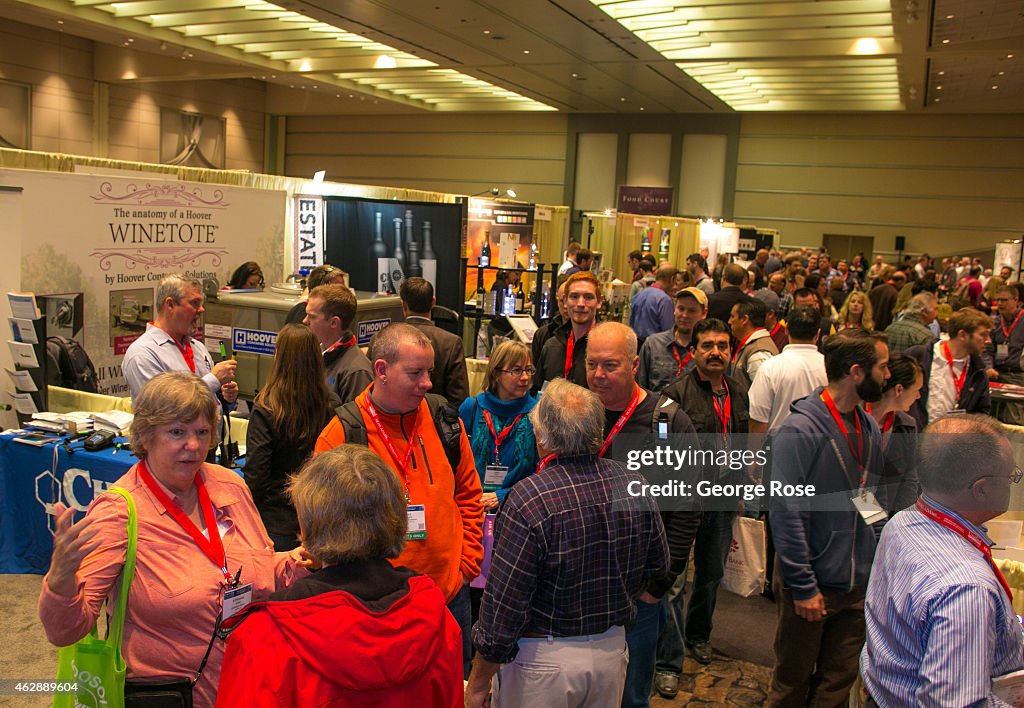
(413, 269)
(481, 294)
(380, 249)
(520, 299)
(485, 252)
(427, 253)
(399, 252)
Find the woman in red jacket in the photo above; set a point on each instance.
(358, 632)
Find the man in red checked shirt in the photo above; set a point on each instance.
(562, 355)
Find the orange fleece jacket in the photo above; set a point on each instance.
(453, 548)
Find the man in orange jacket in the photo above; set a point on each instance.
(445, 512)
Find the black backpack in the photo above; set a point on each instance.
(69, 365)
(446, 420)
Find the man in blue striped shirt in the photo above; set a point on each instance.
(940, 624)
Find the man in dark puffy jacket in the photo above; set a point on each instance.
(825, 540)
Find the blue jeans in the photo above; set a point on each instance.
(461, 610)
(642, 642)
(692, 624)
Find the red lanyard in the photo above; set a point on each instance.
(958, 383)
(888, 421)
(186, 349)
(944, 519)
(723, 411)
(858, 450)
(621, 422)
(742, 342)
(499, 439)
(570, 347)
(544, 462)
(776, 328)
(401, 463)
(212, 547)
(342, 343)
(680, 362)
(1002, 324)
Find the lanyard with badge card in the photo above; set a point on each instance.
(416, 514)
(495, 473)
(864, 500)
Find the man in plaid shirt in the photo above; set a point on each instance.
(573, 551)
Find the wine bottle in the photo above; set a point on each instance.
(428, 248)
(509, 306)
(399, 252)
(480, 295)
(485, 252)
(491, 302)
(520, 299)
(413, 269)
(408, 227)
(380, 249)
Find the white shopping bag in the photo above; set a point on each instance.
(745, 571)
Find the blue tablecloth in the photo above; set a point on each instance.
(32, 479)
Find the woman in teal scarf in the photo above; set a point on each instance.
(501, 413)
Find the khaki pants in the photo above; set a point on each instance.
(564, 671)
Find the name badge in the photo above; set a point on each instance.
(416, 517)
(870, 510)
(494, 477)
(236, 600)
(1002, 351)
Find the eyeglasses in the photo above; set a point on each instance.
(1015, 476)
(519, 371)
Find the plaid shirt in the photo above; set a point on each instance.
(572, 549)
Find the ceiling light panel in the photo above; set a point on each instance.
(775, 55)
(270, 35)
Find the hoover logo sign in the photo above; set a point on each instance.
(254, 341)
(368, 328)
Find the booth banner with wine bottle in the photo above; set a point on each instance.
(499, 236)
(380, 242)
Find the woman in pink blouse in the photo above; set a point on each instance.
(181, 571)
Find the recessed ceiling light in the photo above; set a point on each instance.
(641, 108)
(623, 98)
(487, 31)
(937, 100)
(1009, 56)
(1002, 73)
(526, 51)
(938, 88)
(950, 17)
(994, 88)
(942, 73)
(945, 41)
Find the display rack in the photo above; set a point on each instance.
(535, 310)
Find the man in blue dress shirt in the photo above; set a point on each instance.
(940, 623)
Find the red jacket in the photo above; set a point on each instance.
(331, 650)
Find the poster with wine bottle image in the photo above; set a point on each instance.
(500, 238)
(380, 242)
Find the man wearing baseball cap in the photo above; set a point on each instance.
(666, 355)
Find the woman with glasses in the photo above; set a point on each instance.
(899, 431)
(498, 424)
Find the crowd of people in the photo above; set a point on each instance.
(358, 525)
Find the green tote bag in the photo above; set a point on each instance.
(94, 666)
